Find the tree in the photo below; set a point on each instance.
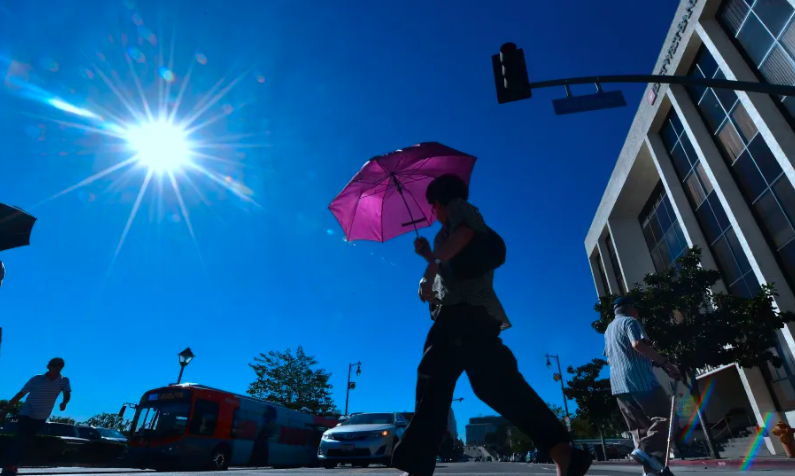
(699, 328)
(14, 412)
(291, 381)
(596, 404)
(109, 420)
(61, 419)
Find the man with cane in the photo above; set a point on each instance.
(641, 399)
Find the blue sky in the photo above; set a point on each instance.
(322, 86)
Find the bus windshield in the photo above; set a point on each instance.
(163, 418)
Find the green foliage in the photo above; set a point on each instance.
(14, 412)
(61, 419)
(696, 327)
(292, 381)
(498, 440)
(596, 405)
(109, 420)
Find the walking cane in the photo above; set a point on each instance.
(674, 388)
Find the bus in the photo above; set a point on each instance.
(192, 426)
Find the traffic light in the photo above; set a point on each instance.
(510, 74)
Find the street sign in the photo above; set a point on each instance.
(590, 102)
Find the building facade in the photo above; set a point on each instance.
(715, 169)
(479, 427)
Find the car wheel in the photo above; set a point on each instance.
(219, 461)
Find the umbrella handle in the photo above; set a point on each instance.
(413, 222)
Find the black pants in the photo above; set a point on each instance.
(466, 338)
(25, 438)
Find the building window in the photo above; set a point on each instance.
(766, 188)
(661, 229)
(764, 30)
(601, 271)
(731, 260)
(611, 250)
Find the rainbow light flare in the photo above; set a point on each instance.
(687, 434)
(753, 448)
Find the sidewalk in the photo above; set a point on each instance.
(761, 462)
(57, 470)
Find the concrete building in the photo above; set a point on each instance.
(713, 168)
(479, 427)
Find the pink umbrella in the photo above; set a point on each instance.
(386, 198)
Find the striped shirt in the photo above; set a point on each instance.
(630, 371)
(42, 395)
(477, 291)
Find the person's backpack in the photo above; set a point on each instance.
(485, 252)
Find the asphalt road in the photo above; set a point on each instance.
(447, 469)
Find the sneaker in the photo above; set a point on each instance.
(580, 462)
(648, 461)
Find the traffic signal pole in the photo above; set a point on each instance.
(512, 83)
(776, 89)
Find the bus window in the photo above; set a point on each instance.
(205, 418)
(244, 425)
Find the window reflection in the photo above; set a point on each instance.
(662, 231)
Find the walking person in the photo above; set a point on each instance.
(42, 391)
(465, 337)
(641, 399)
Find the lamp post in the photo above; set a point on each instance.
(351, 385)
(184, 359)
(560, 377)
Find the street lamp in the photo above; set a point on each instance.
(351, 385)
(559, 376)
(184, 359)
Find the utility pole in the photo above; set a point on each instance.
(351, 385)
(562, 388)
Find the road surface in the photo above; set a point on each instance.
(446, 469)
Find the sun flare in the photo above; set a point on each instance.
(160, 146)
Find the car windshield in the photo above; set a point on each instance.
(162, 418)
(371, 419)
(108, 433)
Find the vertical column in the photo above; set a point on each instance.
(771, 124)
(608, 264)
(761, 403)
(748, 233)
(597, 274)
(632, 252)
(676, 193)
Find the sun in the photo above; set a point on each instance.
(161, 146)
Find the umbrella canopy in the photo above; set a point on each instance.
(386, 198)
(15, 227)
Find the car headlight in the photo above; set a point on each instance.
(379, 434)
(328, 436)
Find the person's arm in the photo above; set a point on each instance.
(17, 398)
(12, 403)
(460, 214)
(647, 350)
(67, 395)
(641, 344)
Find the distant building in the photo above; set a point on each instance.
(479, 427)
